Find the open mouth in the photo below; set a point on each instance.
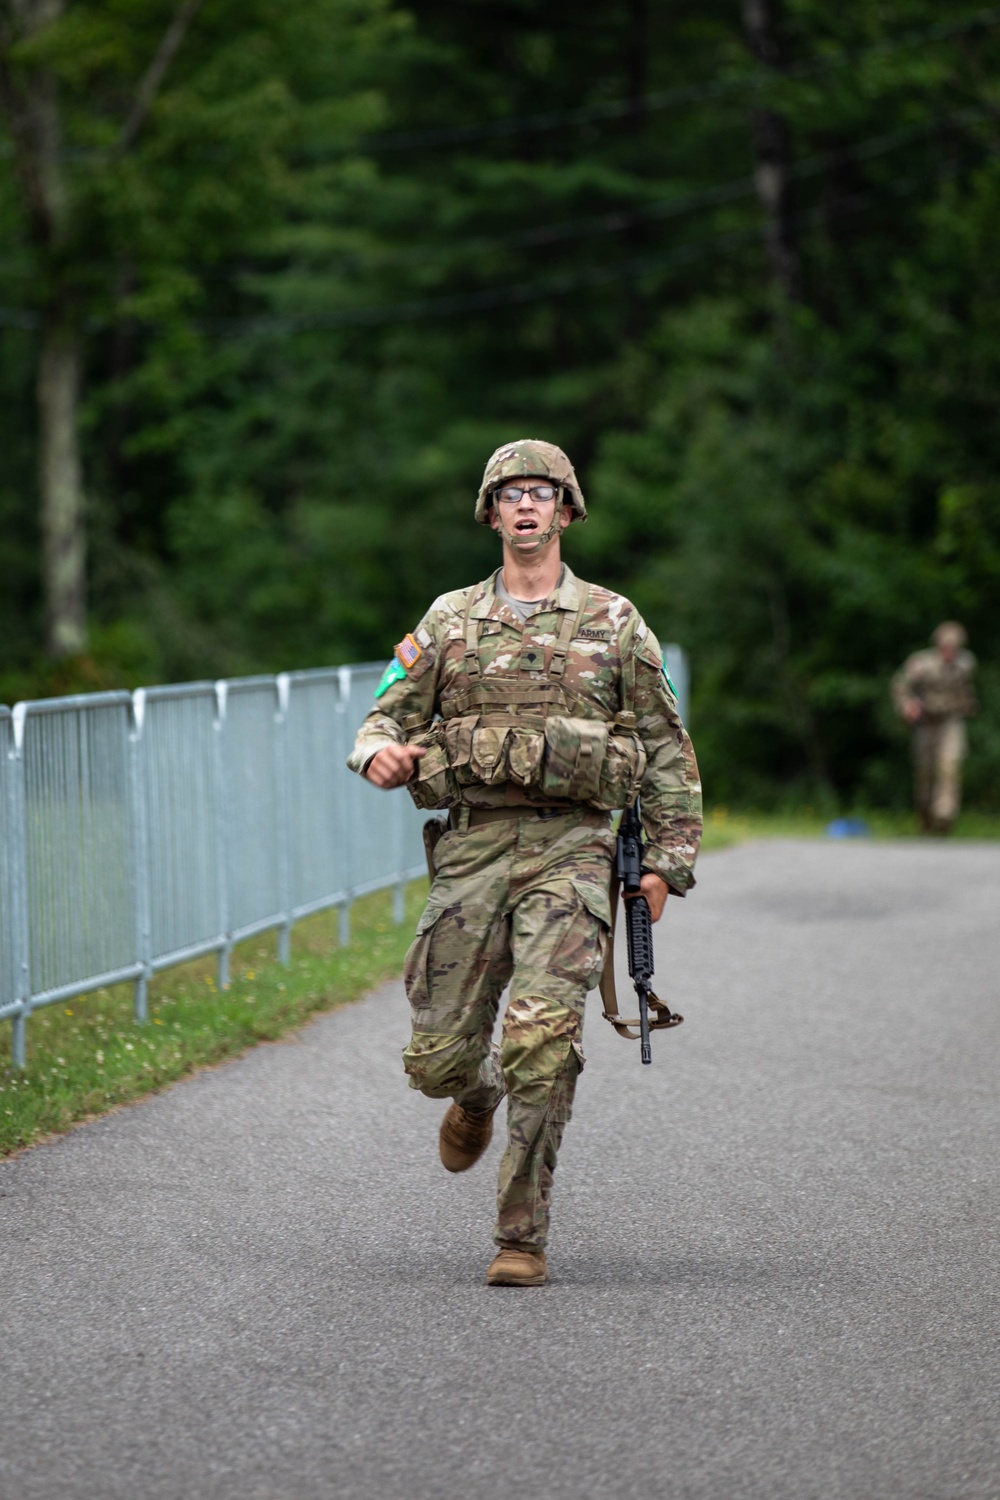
(525, 524)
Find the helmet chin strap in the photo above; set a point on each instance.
(517, 543)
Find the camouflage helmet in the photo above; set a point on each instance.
(950, 633)
(518, 460)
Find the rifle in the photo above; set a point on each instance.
(639, 932)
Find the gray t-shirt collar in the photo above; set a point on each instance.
(522, 607)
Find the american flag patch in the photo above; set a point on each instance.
(408, 652)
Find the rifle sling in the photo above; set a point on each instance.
(661, 1016)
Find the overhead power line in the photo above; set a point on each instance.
(493, 299)
(743, 187)
(618, 221)
(619, 109)
(560, 283)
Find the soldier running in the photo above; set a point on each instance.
(933, 692)
(530, 706)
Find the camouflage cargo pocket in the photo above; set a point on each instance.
(596, 897)
(415, 963)
(560, 1110)
(574, 753)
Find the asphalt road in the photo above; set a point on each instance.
(774, 1268)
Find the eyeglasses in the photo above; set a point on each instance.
(512, 493)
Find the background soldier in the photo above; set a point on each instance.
(530, 706)
(933, 692)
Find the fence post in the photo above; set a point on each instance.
(282, 793)
(221, 833)
(343, 702)
(19, 888)
(140, 854)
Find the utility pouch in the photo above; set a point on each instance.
(574, 753)
(488, 760)
(433, 784)
(623, 768)
(458, 746)
(524, 758)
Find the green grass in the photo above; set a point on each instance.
(88, 1056)
(725, 826)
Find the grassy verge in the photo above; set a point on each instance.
(88, 1056)
(724, 826)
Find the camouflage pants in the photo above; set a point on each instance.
(938, 752)
(522, 901)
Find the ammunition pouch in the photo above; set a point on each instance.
(433, 784)
(552, 759)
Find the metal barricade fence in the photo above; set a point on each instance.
(252, 794)
(318, 844)
(78, 847)
(138, 831)
(181, 834)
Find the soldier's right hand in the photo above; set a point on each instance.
(913, 711)
(393, 765)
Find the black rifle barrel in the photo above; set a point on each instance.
(638, 923)
(639, 932)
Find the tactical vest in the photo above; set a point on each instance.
(541, 740)
(944, 692)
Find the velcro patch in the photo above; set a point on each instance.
(408, 652)
(393, 673)
(596, 635)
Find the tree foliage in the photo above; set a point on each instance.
(357, 245)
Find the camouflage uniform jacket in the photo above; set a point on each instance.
(943, 689)
(612, 649)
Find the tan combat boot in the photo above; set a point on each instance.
(464, 1137)
(512, 1267)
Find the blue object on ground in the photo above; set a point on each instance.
(848, 828)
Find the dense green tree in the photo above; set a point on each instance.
(151, 148)
(737, 259)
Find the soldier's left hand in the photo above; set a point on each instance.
(655, 891)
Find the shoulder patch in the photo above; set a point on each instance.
(393, 672)
(408, 652)
(406, 655)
